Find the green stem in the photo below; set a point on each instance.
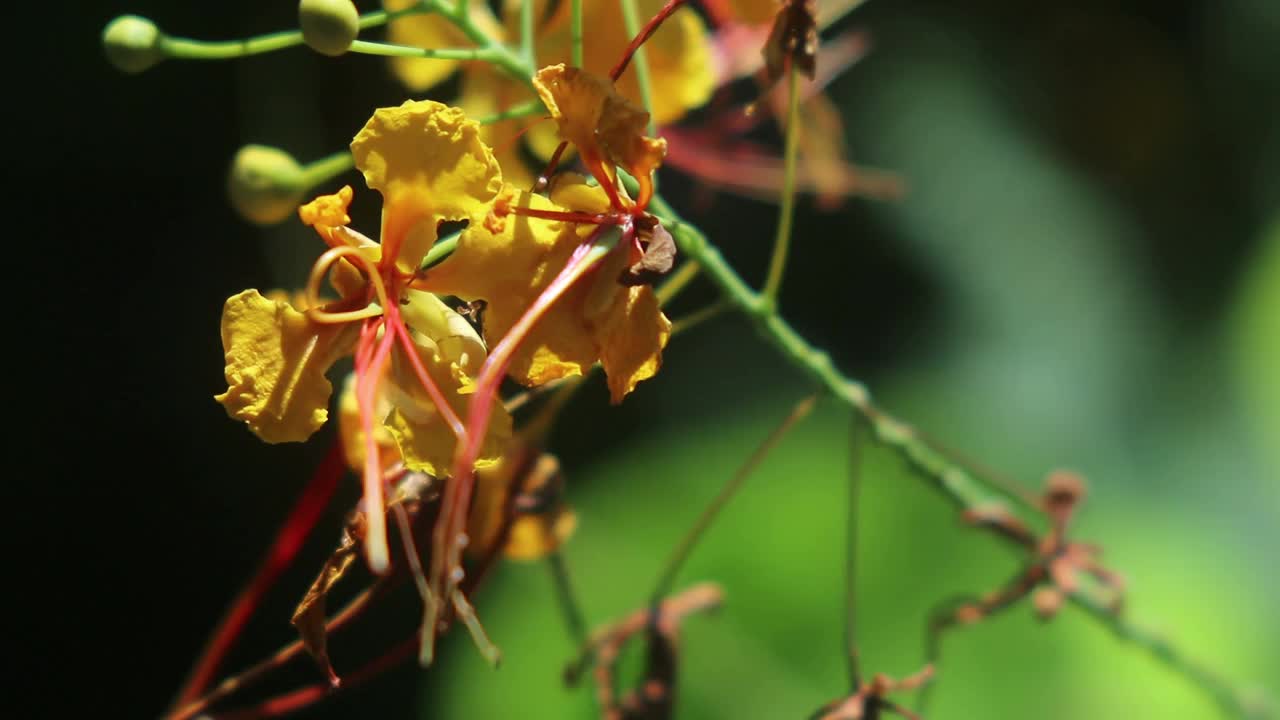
(327, 168)
(851, 561)
(786, 213)
(946, 474)
(568, 599)
(676, 560)
(527, 50)
(1228, 698)
(575, 31)
(366, 47)
(190, 49)
(497, 53)
(631, 20)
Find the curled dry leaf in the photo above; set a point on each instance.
(412, 490)
(793, 40)
(657, 258)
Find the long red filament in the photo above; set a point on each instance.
(451, 524)
(424, 378)
(297, 526)
(376, 551)
(649, 29)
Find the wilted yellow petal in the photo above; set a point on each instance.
(599, 121)
(276, 361)
(430, 165)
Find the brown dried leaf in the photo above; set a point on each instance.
(793, 39)
(658, 258)
(310, 617)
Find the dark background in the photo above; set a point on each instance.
(141, 507)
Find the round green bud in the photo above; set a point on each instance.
(329, 26)
(132, 43)
(265, 184)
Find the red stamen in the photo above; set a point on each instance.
(649, 29)
(544, 179)
(297, 526)
(376, 551)
(457, 498)
(424, 378)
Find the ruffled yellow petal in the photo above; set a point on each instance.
(426, 442)
(276, 361)
(600, 122)
(430, 165)
(595, 321)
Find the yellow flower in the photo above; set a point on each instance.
(510, 265)
(413, 355)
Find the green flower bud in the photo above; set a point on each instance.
(265, 184)
(329, 26)
(132, 43)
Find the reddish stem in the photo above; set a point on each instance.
(300, 522)
(649, 29)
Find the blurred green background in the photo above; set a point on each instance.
(1084, 273)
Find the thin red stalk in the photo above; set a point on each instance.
(297, 526)
(649, 29)
(425, 379)
(545, 178)
(376, 552)
(283, 656)
(458, 493)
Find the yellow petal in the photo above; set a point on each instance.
(430, 165)
(447, 332)
(276, 361)
(426, 441)
(597, 320)
(351, 433)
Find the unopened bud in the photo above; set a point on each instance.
(132, 43)
(329, 26)
(265, 184)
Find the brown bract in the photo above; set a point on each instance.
(793, 41)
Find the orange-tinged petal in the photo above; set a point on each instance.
(632, 335)
(599, 121)
(276, 363)
(430, 165)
